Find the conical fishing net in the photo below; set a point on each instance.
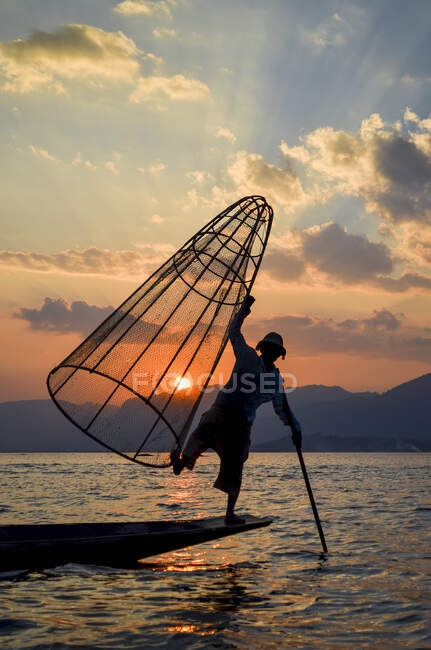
(135, 383)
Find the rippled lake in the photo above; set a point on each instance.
(263, 589)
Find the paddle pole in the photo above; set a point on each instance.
(313, 503)
(307, 481)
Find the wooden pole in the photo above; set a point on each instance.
(307, 481)
(313, 503)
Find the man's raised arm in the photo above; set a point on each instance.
(235, 335)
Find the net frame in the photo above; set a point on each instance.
(195, 249)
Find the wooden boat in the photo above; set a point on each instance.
(113, 544)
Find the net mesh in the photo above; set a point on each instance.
(135, 383)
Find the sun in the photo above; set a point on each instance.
(181, 383)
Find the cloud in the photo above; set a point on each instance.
(382, 320)
(154, 169)
(252, 175)
(422, 140)
(192, 200)
(389, 170)
(42, 153)
(215, 198)
(89, 55)
(143, 7)
(77, 161)
(110, 166)
(383, 334)
(415, 82)
(90, 165)
(157, 60)
(336, 30)
(89, 261)
(388, 166)
(328, 33)
(404, 283)
(156, 218)
(164, 33)
(410, 116)
(57, 315)
(198, 177)
(329, 254)
(343, 256)
(415, 242)
(283, 266)
(176, 88)
(72, 53)
(225, 133)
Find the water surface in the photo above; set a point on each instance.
(264, 589)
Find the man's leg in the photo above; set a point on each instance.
(232, 459)
(177, 461)
(196, 445)
(229, 481)
(231, 517)
(231, 502)
(188, 457)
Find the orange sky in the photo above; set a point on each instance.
(123, 131)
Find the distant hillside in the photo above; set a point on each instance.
(38, 425)
(397, 420)
(315, 393)
(332, 418)
(322, 443)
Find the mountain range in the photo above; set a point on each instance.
(332, 419)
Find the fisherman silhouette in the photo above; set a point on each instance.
(226, 426)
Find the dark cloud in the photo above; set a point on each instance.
(381, 335)
(404, 283)
(380, 320)
(92, 260)
(388, 168)
(406, 171)
(346, 257)
(283, 266)
(401, 162)
(57, 315)
(73, 52)
(61, 317)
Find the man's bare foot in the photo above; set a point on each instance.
(233, 520)
(177, 462)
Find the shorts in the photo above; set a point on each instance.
(229, 436)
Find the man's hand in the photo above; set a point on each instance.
(248, 301)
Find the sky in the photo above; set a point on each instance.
(127, 125)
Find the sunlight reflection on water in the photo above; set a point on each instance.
(266, 588)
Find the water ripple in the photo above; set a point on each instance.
(270, 588)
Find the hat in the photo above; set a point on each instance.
(275, 339)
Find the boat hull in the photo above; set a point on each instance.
(114, 544)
